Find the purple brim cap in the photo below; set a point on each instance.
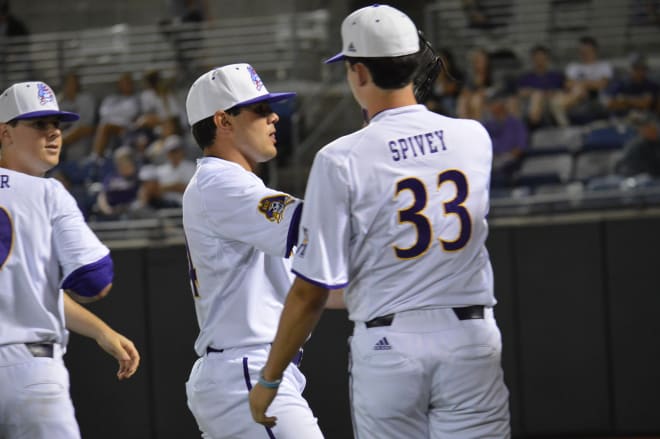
(270, 97)
(338, 57)
(64, 116)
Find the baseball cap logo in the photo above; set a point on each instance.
(44, 93)
(351, 48)
(255, 78)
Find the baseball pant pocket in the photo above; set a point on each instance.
(44, 408)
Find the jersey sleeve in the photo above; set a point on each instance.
(322, 256)
(83, 258)
(243, 209)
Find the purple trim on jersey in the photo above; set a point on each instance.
(64, 116)
(270, 97)
(89, 280)
(246, 375)
(294, 230)
(319, 284)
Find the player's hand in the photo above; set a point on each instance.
(260, 399)
(122, 349)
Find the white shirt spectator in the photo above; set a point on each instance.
(120, 110)
(590, 72)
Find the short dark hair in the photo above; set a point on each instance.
(204, 130)
(392, 72)
(590, 41)
(539, 48)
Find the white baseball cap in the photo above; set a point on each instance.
(377, 31)
(29, 100)
(225, 87)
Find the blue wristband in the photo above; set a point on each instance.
(268, 384)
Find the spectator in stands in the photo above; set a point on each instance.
(538, 86)
(163, 185)
(636, 94)
(188, 11)
(157, 102)
(641, 155)
(645, 12)
(509, 135)
(10, 26)
(77, 136)
(156, 153)
(19, 57)
(479, 83)
(487, 14)
(120, 187)
(444, 95)
(117, 114)
(580, 102)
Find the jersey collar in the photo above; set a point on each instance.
(397, 111)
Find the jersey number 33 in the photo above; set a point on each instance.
(414, 214)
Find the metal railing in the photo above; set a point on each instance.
(272, 44)
(517, 25)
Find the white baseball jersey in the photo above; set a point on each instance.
(43, 240)
(238, 233)
(396, 212)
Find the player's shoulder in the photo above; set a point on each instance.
(31, 183)
(339, 150)
(213, 172)
(475, 127)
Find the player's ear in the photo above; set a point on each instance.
(4, 131)
(363, 74)
(221, 120)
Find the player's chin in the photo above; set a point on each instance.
(268, 154)
(49, 161)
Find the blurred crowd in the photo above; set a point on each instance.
(129, 153)
(515, 98)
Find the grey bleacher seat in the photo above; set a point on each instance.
(591, 164)
(608, 136)
(556, 138)
(545, 169)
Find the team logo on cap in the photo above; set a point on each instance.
(44, 93)
(255, 78)
(273, 207)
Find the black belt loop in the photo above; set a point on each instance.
(463, 313)
(380, 321)
(469, 312)
(41, 350)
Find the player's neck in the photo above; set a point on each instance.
(15, 165)
(231, 155)
(381, 100)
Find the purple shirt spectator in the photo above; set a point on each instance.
(632, 88)
(507, 135)
(550, 80)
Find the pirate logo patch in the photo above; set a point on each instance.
(273, 207)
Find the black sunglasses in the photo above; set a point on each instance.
(262, 109)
